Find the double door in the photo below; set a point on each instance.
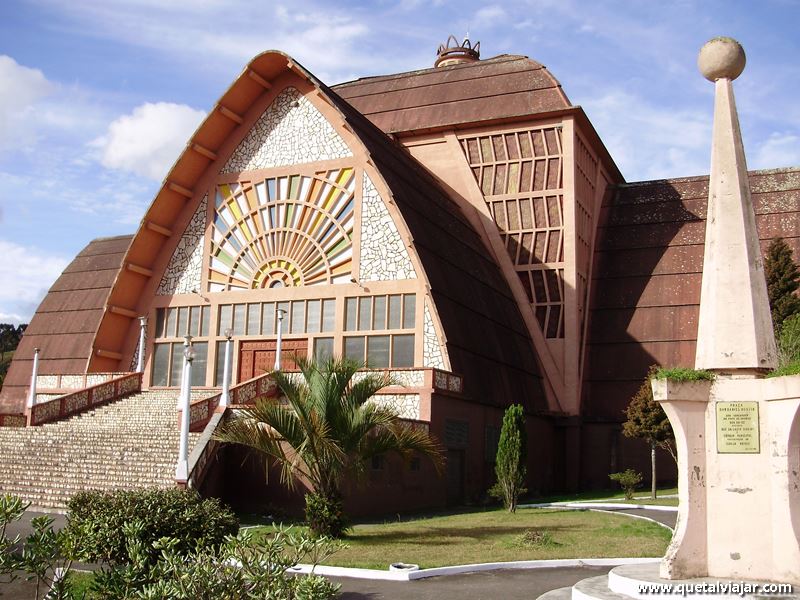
(258, 357)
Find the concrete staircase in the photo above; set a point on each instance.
(129, 444)
(641, 581)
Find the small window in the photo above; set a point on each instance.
(328, 315)
(379, 314)
(354, 348)
(253, 319)
(394, 311)
(378, 462)
(409, 310)
(160, 319)
(313, 318)
(199, 363)
(268, 319)
(378, 351)
(351, 310)
(225, 319)
(364, 314)
(298, 316)
(205, 321)
(323, 349)
(160, 364)
(402, 351)
(238, 319)
(172, 316)
(415, 465)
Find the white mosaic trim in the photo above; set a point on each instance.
(410, 378)
(432, 355)
(135, 359)
(290, 132)
(384, 256)
(405, 405)
(183, 274)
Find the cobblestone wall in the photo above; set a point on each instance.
(384, 256)
(183, 274)
(432, 355)
(291, 131)
(405, 405)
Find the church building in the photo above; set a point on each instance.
(462, 226)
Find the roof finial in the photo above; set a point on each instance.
(453, 53)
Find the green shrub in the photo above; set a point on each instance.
(325, 516)
(683, 374)
(244, 566)
(512, 452)
(96, 521)
(629, 480)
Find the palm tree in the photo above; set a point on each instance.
(326, 431)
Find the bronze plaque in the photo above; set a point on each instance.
(737, 428)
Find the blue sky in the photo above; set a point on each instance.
(98, 97)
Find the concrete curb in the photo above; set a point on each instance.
(611, 505)
(387, 575)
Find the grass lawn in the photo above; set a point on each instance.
(495, 535)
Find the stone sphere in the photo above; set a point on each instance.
(720, 58)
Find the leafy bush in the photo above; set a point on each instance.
(511, 457)
(629, 480)
(96, 522)
(683, 374)
(38, 556)
(325, 516)
(243, 566)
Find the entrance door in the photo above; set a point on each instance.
(258, 357)
(455, 477)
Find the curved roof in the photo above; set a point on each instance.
(65, 322)
(485, 331)
(500, 88)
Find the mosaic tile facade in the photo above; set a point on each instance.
(410, 378)
(405, 405)
(183, 272)
(432, 355)
(291, 131)
(384, 256)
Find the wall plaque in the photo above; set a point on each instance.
(737, 428)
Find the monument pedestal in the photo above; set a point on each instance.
(738, 445)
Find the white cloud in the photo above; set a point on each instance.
(148, 141)
(489, 15)
(651, 141)
(26, 273)
(20, 89)
(779, 150)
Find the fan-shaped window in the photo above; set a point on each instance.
(283, 231)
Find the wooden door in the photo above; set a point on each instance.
(455, 477)
(258, 357)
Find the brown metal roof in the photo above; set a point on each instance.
(487, 339)
(499, 88)
(65, 322)
(648, 270)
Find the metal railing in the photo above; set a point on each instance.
(85, 399)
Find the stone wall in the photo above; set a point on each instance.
(290, 132)
(432, 355)
(183, 274)
(384, 256)
(405, 405)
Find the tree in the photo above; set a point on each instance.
(512, 454)
(647, 420)
(783, 280)
(327, 430)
